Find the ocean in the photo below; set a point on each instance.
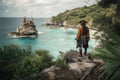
(49, 38)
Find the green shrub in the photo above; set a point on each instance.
(59, 62)
(17, 63)
(10, 56)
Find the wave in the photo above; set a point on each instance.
(40, 32)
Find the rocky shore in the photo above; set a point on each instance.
(27, 29)
(64, 24)
(68, 26)
(77, 68)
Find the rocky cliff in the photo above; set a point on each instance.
(77, 68)
(27, 29)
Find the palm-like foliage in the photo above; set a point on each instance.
(110, 54)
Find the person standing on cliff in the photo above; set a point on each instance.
(83, 37)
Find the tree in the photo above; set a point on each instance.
(106, 3)
(118, 8)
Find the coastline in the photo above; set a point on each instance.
(93, 34)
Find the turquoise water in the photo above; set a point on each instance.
(51, 39)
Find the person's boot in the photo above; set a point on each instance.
(85, 53)
(80, 52)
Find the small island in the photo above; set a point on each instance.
(27, 29)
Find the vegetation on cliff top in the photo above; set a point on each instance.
(91, 14)
(102, 12)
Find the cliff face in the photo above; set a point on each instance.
(27, 29)
(76, 69)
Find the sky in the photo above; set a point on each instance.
(39, 8)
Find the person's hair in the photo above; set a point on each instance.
(83, 22)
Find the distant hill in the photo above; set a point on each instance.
(93, 14)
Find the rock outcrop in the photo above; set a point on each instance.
(27, 29)
(76, 69)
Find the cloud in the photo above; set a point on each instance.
(39, 8)
(6, 11)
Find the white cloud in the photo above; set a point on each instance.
(45, 1)
(41, 8)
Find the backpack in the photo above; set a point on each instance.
(85, 31)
